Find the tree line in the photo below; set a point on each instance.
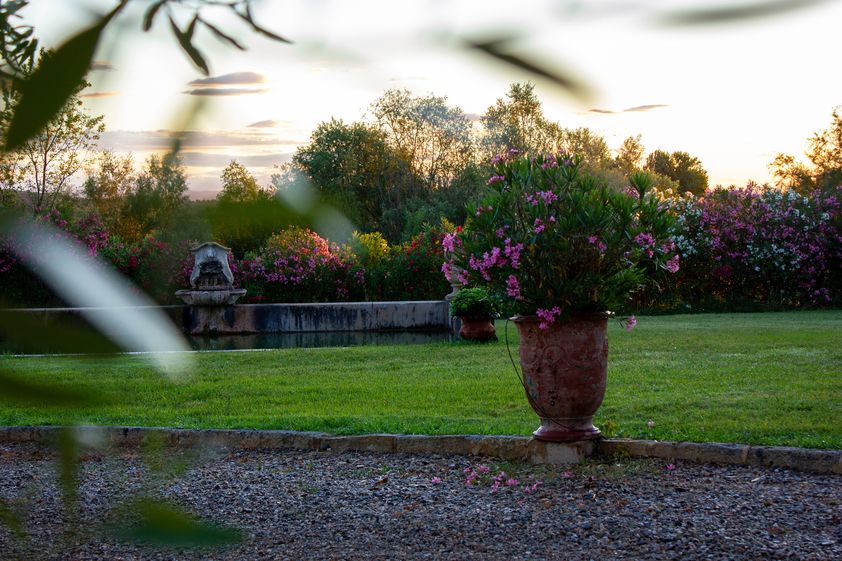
(415, 161)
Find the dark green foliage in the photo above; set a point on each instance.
(681, 167)
(410, 271)
(472, 302)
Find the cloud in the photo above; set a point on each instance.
(267, 124)
(224, 91)
(473, 117)
(102, 65)
(94, 95)
(234, 78)
(132, 141)
(635, 109)
(217, 161)
(641, 108)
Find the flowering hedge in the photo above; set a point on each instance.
(739, 248)
(156, 268)
(759, 246)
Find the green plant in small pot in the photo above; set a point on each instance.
(563, 250)
(475, 308)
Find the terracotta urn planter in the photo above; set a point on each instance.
(565, 370)
(477, 328)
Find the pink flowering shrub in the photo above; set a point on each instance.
(298, 265)
(552, 241)
(760, 245)
(152, 266)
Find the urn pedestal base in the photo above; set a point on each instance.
(567, 430)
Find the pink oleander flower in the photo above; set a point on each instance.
(539, 226)
(483, 469)
(530, 198)
(670, 467)
(547, 196)
(547, 317)
(512, 482)
(672, 264)
(631, 321)
(449, 241)
(512, 252)
(549, 162)
(513, 288)
(495, 179)
(529, 489)
(644, 239)
(435, 480)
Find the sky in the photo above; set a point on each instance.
(731, 94)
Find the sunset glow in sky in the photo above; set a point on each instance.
(732, 94)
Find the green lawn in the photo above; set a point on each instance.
(773, 378)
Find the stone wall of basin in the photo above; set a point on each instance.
(430, 315)
(301, 318)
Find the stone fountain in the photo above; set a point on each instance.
(211, 288)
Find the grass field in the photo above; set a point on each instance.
(773, 378)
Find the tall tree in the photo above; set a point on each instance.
(240, 186)
(158, 194)
(431, 136)
(588, 145)
(630, 155)
(353, 167)
(110, 179)
(824, 150)
(42, 166)
(517, 121)
(680, 167)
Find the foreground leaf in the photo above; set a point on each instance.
(164, 524)
(734, 13)
(44, 93)
(17, 389)
(566, 80)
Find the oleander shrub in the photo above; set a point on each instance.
(410, 271)
(298, 265)
(759, 246)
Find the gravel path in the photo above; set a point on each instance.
(319, 505)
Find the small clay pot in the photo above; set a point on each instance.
(478, 328)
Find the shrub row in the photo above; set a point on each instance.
(740, 249)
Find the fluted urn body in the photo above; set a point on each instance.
(565, 370)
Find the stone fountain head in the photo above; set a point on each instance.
(211, 281)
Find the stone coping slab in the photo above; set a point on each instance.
(517, 448)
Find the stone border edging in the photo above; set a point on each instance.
(519, 448)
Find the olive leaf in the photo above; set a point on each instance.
(185, 40)
(15, 388)
(11, 518)
(223, 36)
(165, 524)
(47, 89)
(494, 48)
(738, 12)
(249, 19)
(149, 16)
